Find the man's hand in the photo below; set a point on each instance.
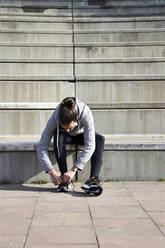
(67, 177)
(55, 176)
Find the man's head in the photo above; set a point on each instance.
(67, 114)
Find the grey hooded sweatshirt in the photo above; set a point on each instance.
(85, 124)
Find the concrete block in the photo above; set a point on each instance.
(103, 52)
(117, 23)
(135, 121)
(27, 122)
(130, 121)
(36, 70)
(28, 3)
(129, 166)
(110, 69)
(118, 36)
(34, 24)
(36, 37)
(118, 3)
(31, 91)
(35, 52)
(23, 166)
(119, 12)
(120, 92)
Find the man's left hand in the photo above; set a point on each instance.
(67, 177)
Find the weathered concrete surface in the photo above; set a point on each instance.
(109, 52)
(32, 92)
(127, 121)
(125, 158)
(119, 68)
(119, 91)
(34, 52)
(107, 23)
(120, 36)
(120, 217)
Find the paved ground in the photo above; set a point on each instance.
(126, 215)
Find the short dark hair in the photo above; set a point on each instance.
(67, 111)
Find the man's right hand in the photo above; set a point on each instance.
(55, 176)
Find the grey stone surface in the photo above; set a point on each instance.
(30, 36)
(107, 23)
(118, 36)
(27, 167)
(39, 70)
(116, 92)
(18, 23)
(112, 69)
(94, 52)
(113, 223)
(109, 122)
(32, 91)
(11, 53)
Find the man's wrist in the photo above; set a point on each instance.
(51, 171)
(74, 169)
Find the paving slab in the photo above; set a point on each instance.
(61, 235)
(14, 227)
(131, 241)
(12, 241)
(153, 205)
(62, 219)
(128, 226)
(158, 217)
(126, 215)
(105, 212)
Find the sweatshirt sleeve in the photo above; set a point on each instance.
(89, 139)
(43, 145)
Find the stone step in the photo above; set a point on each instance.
(120, 11)
(58, 24)
(107, 52)
(43, 25)
(146, 93)
(83, 60)
(115, 69)
(117, 3)
(100, 24)
(36, 20)
(120, 36)
(93, 106)
(28, 36)
(37, 78)
(151, 77)
(126, 157)
(107, 121)
(37, 70)
(64, 4)
(84, 8)
(65, 51)
(31, 91)
(36, 12)
(135, 142)
(115, 92)
(86, 23)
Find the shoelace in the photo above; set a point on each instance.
(73, 185)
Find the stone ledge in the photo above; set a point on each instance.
(112, 143)
(121, 77)
(94, 106)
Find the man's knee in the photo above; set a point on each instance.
(100, 139)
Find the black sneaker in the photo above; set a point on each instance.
(63, 187)
(93, 186)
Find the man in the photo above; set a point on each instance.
(71, 123)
